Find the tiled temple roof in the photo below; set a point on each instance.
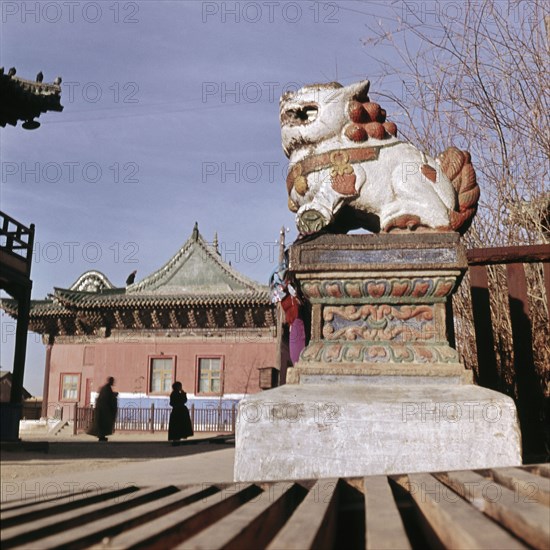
(22, 99)
(195, 279)
(196, 269)
(89, 300)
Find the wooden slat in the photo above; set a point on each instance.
(530, 487)
(538, 469)
(276, 515)
(384, 527)
(486, 358)
(107, 527)
(508, 254)
(528, 521)
(519, 310)
(313, 524)
(254, 524)
(174, 527)
(528, 386)
(456, 524)
(546, 271)
(24, 534)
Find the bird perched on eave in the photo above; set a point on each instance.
(131, 278)
(12, 72)
(57, 81)
(39, 77)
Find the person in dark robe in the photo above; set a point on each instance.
(179, 426)
(105, 412)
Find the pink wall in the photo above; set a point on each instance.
(129, 364)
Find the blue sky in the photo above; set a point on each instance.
(171, 117)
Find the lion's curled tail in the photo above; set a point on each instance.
(457, 166)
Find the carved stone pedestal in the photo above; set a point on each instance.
(379, 307)
(378, 389)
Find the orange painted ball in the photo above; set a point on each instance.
(373, 109)
(356, 133)
(391, 128)
(375, 130)
(357, 112)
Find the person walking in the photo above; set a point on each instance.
(179, 425)
(106, 406)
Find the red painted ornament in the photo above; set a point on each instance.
(391, 128)
(356, 133)
(375, 130)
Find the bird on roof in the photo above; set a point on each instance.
(1, 71)
(131, 278)
(12, 71)
(57, 80)
(39, 77)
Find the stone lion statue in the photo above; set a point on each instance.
(349, 170)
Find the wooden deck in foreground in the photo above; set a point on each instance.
(498, 508)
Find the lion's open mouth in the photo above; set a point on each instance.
(300, 115)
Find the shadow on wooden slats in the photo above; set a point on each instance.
(171, 528)
(254, 524)
(530, 391)
(452, 521)
(350, 531)
(409, 514)
(487, 508)
(69, 502)
(19, 503)
(313, 524)
(527, 520)
(479, 287)
(26, 533)
(148, 514)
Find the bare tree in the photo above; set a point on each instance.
(476, 75)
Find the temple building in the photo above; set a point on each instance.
(196, 320)
(24, 100)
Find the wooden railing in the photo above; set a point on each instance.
(532, 403)
(151, 419)
(16, 242)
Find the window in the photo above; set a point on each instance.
(69, 386)
(209, 375)
(161, 379)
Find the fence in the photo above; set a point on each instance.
(525, 380)
(31, 410)
(151, 419)
(16, 244)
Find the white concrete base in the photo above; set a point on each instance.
(317, 431)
